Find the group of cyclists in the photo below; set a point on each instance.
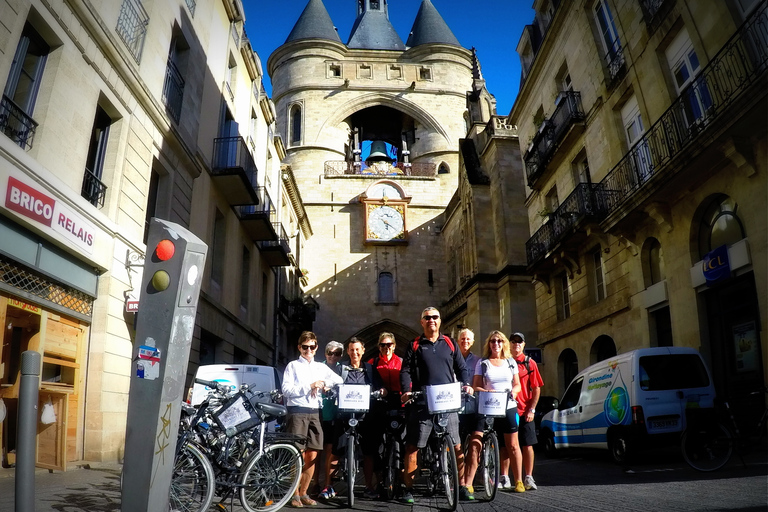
(431, 359)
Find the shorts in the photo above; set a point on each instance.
(527, 433)
(508, 425)
(420, 426)
(306, 424)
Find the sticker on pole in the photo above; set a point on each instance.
(148, 365)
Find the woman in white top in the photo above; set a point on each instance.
(497, 371)
(303, 382)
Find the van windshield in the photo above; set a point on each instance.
(672, 371)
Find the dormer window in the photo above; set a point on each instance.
(375, 5)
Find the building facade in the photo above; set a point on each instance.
(643, 135)
(114, 112)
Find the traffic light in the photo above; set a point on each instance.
(170, 288)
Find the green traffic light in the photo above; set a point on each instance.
(161, 280)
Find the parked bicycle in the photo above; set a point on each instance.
(438, 459)
(227, 437)
(710, 439)
(491, 405)
(393, 452)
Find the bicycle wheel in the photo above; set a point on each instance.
(449, 472)
(270, 478)
(351, 471)
(391, 461)
(490, 461)
(707, 447)
(192, 482)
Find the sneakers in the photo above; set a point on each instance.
(371, 494)
(505, 483)
(466, 493)
(407, 496)
(530, 483)
(327, 493)
(519, 487)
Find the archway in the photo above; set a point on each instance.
(370, 336)
(602, 349)
(567, 368)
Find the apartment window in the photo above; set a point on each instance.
(633, 131)
(655, 258)
(264, 297)
(563, 297)
(295, 125)
(245, 287)
(21, 89)
(684, 64)
(609, 37)
(93, 188)
(386, 287)
(229, 81)
(173, 88)
(563, 79)
(580, 168)
(132, 26)
(152, 193)
(598, 278)
(218, 250)
(551, 200)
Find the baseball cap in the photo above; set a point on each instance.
(519, 335)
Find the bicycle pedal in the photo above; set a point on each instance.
(221, 507)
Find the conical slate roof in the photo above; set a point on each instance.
(430, 27)
(373, 31)
(314, 23)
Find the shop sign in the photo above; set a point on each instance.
(24, 306)
(131, 306)
(26, 200)
(716, 266)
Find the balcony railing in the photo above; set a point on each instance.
(234, 169)
(93, 190)
(275, 252)
(191, 4)
(173, 90)
(547, 139)
(614, 59)
(132, 26)
(258, 219)
(341, 167)
(16, 124)
(583, 204)
(739, 64)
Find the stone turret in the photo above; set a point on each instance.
(372, 29)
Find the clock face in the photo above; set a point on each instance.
(386, 223)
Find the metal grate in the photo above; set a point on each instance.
(132, 26)
(69, 298)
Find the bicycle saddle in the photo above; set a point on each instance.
(276, 410)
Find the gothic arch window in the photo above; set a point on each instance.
(295, 122)
(602, 349)
(653, 262)
(443, 168)
(386, 287)
(719, 225)
(567, 367)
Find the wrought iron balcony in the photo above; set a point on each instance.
(258, 219)
(341, 167)
(234, 171)
(93, 190)
(584, 204)
(701, 107)
(654, 12)
(614, 59)
(551, 133)
(16, 124)
(191, 4)
(132, 26)
(275, 252)
(173, 90)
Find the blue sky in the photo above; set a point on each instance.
(492, 26)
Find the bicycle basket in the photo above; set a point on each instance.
(354, 397)
(236, 415)
(444, 398)
(492, 403)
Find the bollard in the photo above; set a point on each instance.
(26, 431)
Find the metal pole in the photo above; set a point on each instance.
(26, 431)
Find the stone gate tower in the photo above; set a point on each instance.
(372, 130)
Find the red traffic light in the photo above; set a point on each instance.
(165, 250)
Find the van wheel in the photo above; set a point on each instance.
(548, 444)
(619, 446)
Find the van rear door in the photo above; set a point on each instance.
(668, 384)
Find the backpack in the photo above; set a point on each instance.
(524, 362)
(485, 366)
(447, 341)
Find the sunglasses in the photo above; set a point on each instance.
(309, 347)
(337, 354)
(519, 342)
(431, 317)
(386, 344)
(496, 341)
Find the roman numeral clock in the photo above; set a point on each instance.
(385, 209)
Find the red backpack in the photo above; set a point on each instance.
(446, 338)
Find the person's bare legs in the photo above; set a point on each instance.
(410, 465)
(330, 465)
(473, 454)
(527, 460)
(515, 456)
(306, 474)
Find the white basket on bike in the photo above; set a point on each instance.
(492, 403)
(354, 397)
(444, 398)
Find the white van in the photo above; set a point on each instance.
(258, 378)
(628, 400)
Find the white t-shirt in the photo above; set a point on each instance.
(497, 378)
